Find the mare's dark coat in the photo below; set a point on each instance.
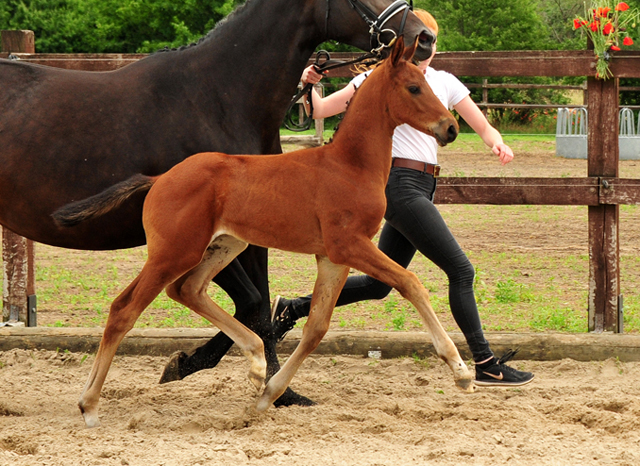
(66, 135)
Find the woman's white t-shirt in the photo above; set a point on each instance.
(409, 143)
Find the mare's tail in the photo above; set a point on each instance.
(95, 206)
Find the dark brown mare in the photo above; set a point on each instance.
(220, 203)
(67, 135)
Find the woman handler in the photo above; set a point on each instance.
(412, 220)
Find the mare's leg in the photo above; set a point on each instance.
(364, 256)
(330, 280)
(125, 310)
(191, 290)
(235, 282)
(245, 280)
(255, 261)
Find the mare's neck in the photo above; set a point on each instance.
(252, 61)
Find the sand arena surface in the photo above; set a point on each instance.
(369, 412)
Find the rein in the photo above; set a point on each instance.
(376, 29)
(368, 59)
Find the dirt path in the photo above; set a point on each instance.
(389, 412)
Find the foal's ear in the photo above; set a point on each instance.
(409, 51)
(398, 51)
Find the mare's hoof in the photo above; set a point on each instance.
(291, 398)
(172, 369)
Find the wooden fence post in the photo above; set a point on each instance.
(485, 97)
(319, 87)
(604, 250)
(18, 253)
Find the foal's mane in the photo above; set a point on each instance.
(365, 69)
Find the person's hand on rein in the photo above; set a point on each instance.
(504, 152)
(310, 75)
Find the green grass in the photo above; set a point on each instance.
(516, 291)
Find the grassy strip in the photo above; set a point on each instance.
(518, 289)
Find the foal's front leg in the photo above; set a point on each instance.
(329, 283)
(366, 257)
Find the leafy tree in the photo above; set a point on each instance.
(59, 25)
(122, 26)
(488, 24)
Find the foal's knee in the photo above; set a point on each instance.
(313, 334)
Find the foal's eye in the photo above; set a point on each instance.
(414, 90)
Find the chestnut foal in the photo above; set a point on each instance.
(328, 201)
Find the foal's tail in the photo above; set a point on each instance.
(95, 206)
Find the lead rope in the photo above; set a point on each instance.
(367, 59)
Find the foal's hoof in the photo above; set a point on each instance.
(91, 418)
(172, 369)
(291, 398)
(466, 385)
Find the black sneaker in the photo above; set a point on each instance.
(282, 320)
(497, 374)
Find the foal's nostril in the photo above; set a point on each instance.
(452, 133)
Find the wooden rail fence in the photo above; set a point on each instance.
(601, 189)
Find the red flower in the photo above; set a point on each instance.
(622, 6)
(601, 12)
(615, 47)
(606, 30)
(627, 41)
(578, 23)
(594, 26)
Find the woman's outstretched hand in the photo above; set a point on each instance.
(504, 152)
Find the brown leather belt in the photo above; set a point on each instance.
(415, 165)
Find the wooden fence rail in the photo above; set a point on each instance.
(601, 189)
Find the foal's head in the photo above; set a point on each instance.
(409, 99)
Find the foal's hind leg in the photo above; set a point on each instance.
(125, 310)
(246, 298)
(330, 280)
(366, 257)
(191, 290)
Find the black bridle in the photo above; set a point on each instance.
(376, 29)
(376, 23)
